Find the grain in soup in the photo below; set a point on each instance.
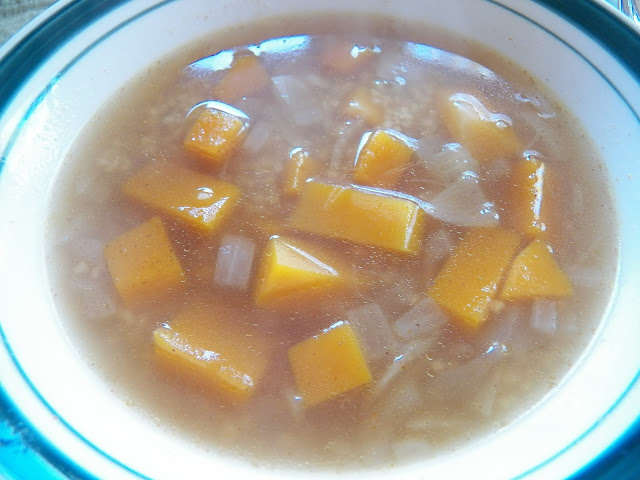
(333, 249)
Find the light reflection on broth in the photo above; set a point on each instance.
(304, 257)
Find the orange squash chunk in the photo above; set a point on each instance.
(468, 281)
(535, 274)
(345, 57)
(487, 135)
(528, 196)
(361, 104)
(361, 216)
(382, 159)
(198, 200)
(214, 136)
(328, 365)
(292, 273)
(300, 167)
(209, 346)
(142, 263)
(246, 77)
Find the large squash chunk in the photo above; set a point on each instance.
(535, 274)
(468, 281)
(381, 160)
(207, 345)
(292, 273)
(528, 199)
(485, 134)
(198, 200)
(328, 365)
(246, 77)
(142, 263)
(214, 135)
(359, 215)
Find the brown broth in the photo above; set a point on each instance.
(454, 386)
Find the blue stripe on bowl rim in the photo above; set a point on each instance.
(41, 457)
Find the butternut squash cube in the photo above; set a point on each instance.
(535, 274)
(381, 160)
(468, 281)
(198, 200)
(207, 345)
(361, 104)
(292, 273)
(345, 57)
(359, 215)
(245, 77)
(142, 263)
(214, 136)
(528, 199)
(328, 365)
(485, 134)
(300, 167)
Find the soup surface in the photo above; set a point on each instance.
(333, 248)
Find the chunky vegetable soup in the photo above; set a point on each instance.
(333, 248)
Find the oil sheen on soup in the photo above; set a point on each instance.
(333, 248)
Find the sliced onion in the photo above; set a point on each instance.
(299, 99)
(410, 353)
(543, 316)
(374, 332)
(257, 136)
(234, 262)
(420, 321)
(439, 245)
(445, 163)
(464, 204)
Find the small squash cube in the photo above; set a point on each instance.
(346, 58)
(198, 200)
(328, 365)
(485, 134)
(381, 160)
(301, 166)
(214, 136)
(142, 263)
(468, 281)
(292, 273)
(361, 216)
(535, 274)
(361, 104)
(207, 345)
(246, 77)
(528, 199)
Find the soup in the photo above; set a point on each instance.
(333, 248)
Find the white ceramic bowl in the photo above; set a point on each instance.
(56, 73)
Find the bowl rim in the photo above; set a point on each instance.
(44, 35)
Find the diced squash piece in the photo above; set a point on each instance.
(345, 57)
(198, 200)
(206, 344)
(142, 263)
(245, 77)
(468, 281)
(527, 202)
(328, 365)
(301, 166)
(359, 215)
(293, 273)
(214, 135)
(381, 160)
(361, 104)
(485, 134)
(535, 274)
